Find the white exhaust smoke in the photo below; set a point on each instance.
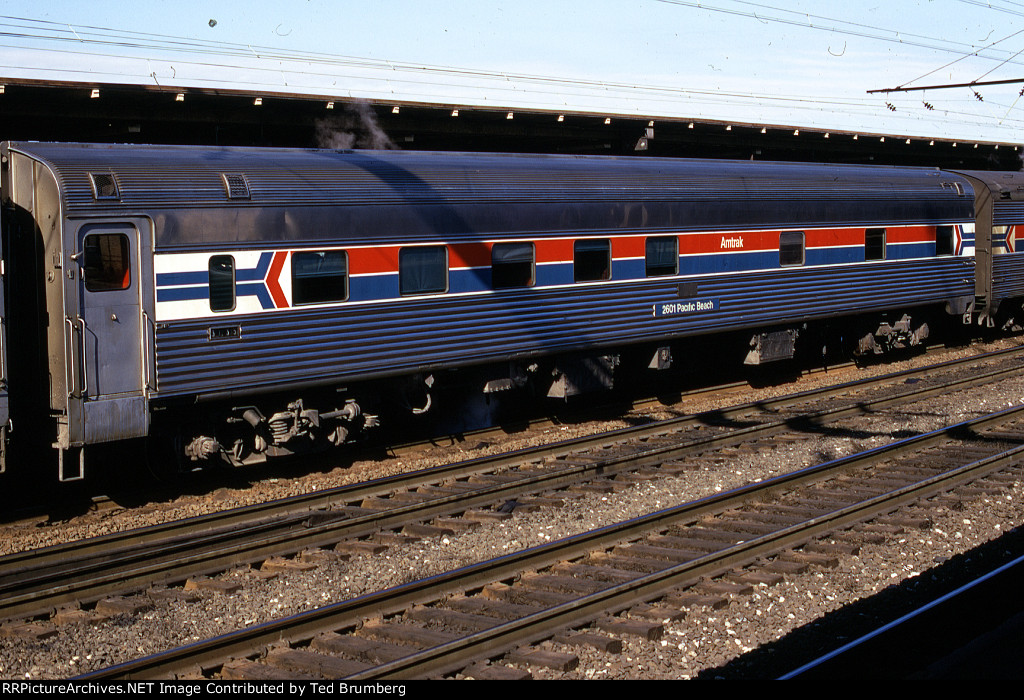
(356, 127)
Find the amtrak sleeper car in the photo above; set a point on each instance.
(250, 303)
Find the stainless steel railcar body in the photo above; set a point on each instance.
(173, 273)
(999, 207)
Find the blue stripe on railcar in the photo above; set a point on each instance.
(182, 293)
(175, 279)
(470, 280)
(554, 274)
(372, 287)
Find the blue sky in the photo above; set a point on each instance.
(785, 62)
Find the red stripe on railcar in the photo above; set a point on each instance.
(370, 261)
(274, 279)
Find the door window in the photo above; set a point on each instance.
(107, 262)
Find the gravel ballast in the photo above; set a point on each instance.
(733, 642)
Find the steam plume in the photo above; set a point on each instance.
(356, 127)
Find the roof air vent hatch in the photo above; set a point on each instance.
(104, 186)
(236, 186)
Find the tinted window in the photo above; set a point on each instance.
(791, 248)
(662, 256)
(512, 265)
(319, 277)
(592, 260)
(222, 283)
(423, 270)
(874, 244)
(943, 240)
(107, 262)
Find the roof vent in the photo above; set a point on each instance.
(104, 186)
(236, 185)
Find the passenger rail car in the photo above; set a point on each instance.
(249, 303)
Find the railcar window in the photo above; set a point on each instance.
(107, 262)
(662, 256)
(874, 244)
(512, 265)
(319, 277)
(423, 270)
(592, 260)
(943, 240)
(222, 283)
(791, 248)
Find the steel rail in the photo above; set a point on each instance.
(28, 590)
(534, 628)
(320, 500)
(208, 654)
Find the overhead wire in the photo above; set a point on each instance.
(961, 58)
(987, 4)
(144, 40)
(19, 29)
(856, 29)
(859, 30)
(395, 67)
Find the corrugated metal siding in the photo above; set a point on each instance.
(1007, 213)
(1008, 275)
(348, 343)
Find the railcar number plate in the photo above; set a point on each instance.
(226, 333)
(687, 306)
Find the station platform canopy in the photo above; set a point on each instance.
(118, 113)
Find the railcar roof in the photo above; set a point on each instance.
(412, 170)
(1006, 194)
(474, 193)
(998, 181)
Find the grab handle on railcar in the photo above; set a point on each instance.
(147, 376)
(3, 356)
(85, 360)
(69, 375)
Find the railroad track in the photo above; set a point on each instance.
(654, 566)
(36, 583)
